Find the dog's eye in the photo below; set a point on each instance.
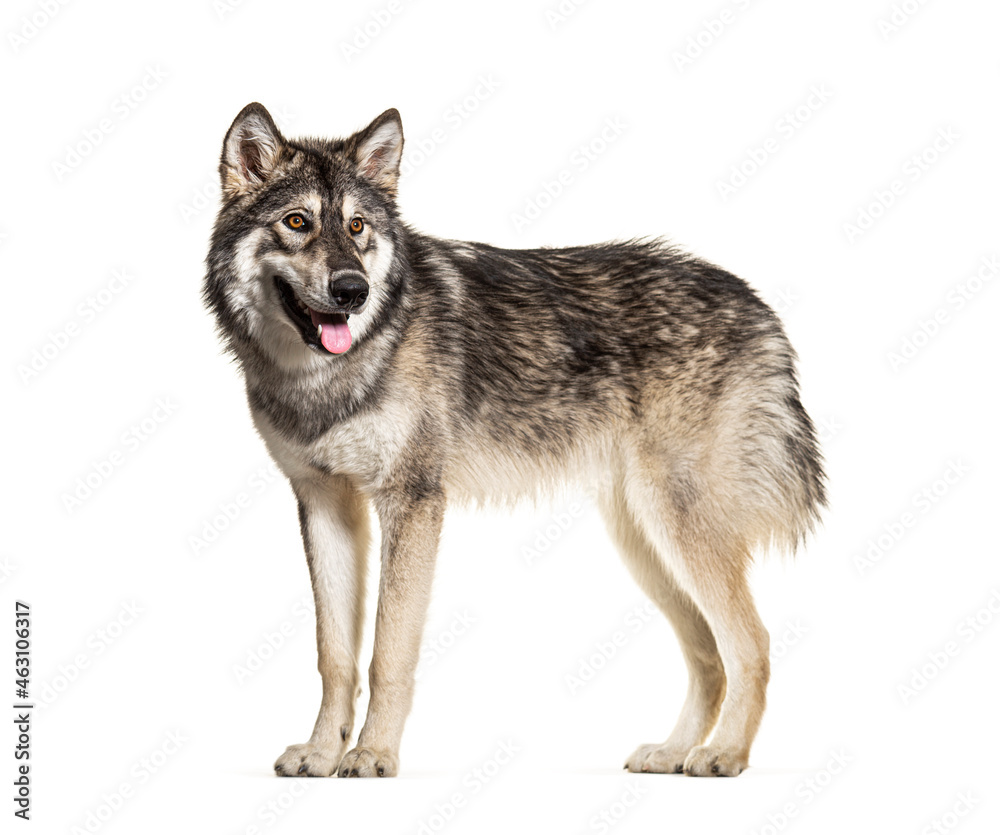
(296, 222)
(357, 226)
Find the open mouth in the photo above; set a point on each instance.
(320, 329)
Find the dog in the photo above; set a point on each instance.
(389, 370)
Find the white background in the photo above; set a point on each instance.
(846, 636)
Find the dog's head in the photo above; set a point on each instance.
(302, 252)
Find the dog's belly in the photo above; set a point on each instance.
(482, 471)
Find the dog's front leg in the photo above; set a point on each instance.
(411, 525)
(334, 520)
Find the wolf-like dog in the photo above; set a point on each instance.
(389, 370)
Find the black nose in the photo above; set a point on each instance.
(349, 290)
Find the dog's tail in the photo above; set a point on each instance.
(783, 465)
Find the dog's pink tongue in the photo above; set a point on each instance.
(335, 334)
(336, 337)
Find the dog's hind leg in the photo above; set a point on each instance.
(706, 677)
(334, 520)
(696, 542)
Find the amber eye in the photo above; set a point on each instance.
(295, 222)
(357, 226)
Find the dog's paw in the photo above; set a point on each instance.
(366, 762)
(657, 758)
(708, 761)
(307, 760)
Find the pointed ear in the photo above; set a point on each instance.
(378, 149)
(250, 151)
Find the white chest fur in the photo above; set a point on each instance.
(366, 447)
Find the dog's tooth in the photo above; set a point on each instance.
(319, 331)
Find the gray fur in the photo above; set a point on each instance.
(484, 374)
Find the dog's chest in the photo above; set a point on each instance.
(367, 446)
